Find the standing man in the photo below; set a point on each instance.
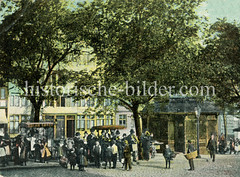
(146, 145)
(97, 154)
(222, 144)
(119, 145)
(133, 142)
(114, 153)
(212, 146)
(190, 149)
(91, 138)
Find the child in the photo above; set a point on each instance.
(37, 153)
(108, 154)
(72, 159)
(167, 155)
(127, 156)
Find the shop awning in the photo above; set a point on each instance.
(3, 118)
(37, 124)
(236, 129)
(109, 127)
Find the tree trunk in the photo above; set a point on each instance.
(138, 128)
(37, 108)
(225, 124)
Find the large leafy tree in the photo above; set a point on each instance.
(222, 56)
(142, 43)
(222, 63)
(11, 12)
(38, 43)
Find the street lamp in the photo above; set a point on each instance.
(197, 113)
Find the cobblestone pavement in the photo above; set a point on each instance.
(225, 165)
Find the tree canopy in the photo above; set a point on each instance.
(141, 43)
(35, 46)
(222, 59)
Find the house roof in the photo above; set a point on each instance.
(185, 105)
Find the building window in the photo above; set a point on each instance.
(49, 102)
(100, 120)
(62, 101)
(123, 119)
(78, 103)
(107, 102)
(49, 118)
(81, 122)
(25, 102)
(11, 100)
(88, 102)
(109, 120)
(14, 124)
(72, 102)
(25, 118)
(68, 102)
(60, 133)
(90, 121)
(83, 103)
(16, 100)
(3, 93)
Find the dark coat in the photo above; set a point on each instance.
(127, 152)
(212, 144)
(72, 158)
(108, 152)
(190, 148)
(81, 153)
(167, 154)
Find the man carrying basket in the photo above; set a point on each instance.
(191, 151)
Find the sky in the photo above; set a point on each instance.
(216, 9)
(222, 8)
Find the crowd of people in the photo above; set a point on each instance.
(231, 148)
(105, 149)
(102, 148)
(21, 148)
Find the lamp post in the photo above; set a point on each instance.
(197, 113)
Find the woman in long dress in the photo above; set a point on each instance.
(46, 154)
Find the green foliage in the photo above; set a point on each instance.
(222, 60)
(38, 44)
(142, 41)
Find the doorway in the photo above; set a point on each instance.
(179, 135)
(70, 128)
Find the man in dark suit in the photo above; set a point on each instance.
(190, 149)
(212, 146)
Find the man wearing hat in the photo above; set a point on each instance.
(91, 142)
(102, 142)
(190, 149)
(212, 146)
(146, 144)
(97, 153)
(77, 140)
(119, 145)
(133, 141)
